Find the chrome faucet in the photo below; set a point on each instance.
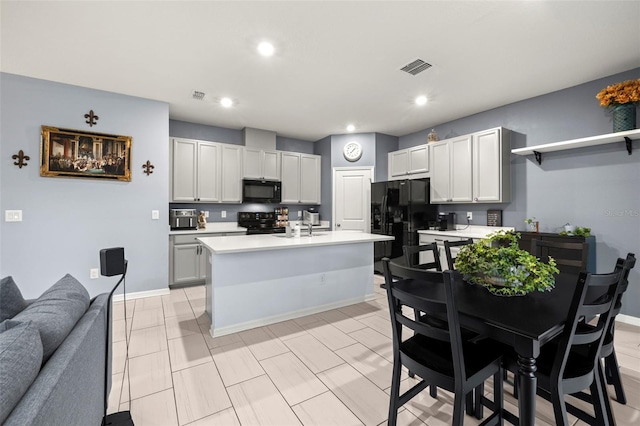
(310, 228)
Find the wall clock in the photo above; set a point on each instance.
(352, 151)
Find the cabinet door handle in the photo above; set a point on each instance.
(475, 199)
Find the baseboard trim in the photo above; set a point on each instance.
(628, 319)
(141, 294)
(223, 331)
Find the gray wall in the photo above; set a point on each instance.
(66, 221)
(595, 187)
(384, 145)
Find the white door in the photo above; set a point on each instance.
(352, 199)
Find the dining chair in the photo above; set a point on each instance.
(412, 256)
(440, 357)
(608, 353)
(447, 250)
(570, 363)
(568, 256)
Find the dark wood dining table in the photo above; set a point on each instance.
(525, 323)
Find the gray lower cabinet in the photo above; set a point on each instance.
(188, 258)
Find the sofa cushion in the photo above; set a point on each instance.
(56, 312)
(11, 300)
(20, 361)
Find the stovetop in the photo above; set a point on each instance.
(258, 222)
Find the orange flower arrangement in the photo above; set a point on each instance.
(620, 93)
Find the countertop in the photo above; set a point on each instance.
(472, 231)
(250, 243)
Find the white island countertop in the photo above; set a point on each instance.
(250, 243)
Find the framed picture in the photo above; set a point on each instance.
(75, 153)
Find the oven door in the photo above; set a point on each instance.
(261, 191)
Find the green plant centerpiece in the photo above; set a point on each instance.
(498, 264)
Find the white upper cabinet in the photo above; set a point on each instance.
(206, 172)
(195, 170)
(231, 174)
(472, 168)
(184, 166)
(300, 178)
(409, 162)
(261, 164)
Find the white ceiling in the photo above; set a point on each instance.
(336, 62)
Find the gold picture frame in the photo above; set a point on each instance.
(75, 153)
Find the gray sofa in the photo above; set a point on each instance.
(68, 362)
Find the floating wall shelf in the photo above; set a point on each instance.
(537, 150)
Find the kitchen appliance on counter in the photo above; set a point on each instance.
(446, 221)
(259, 223)
(261, 191)
(183, 219)
(399, 208)
(310, 217)
(282, 216)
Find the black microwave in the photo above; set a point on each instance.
(261, 191)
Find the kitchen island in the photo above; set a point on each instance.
(254, 280)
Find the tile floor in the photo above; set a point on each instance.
(332, 368)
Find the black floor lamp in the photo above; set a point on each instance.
(112, 262)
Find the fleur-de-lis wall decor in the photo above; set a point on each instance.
(22, 159)
(148, 167)
(91, 118)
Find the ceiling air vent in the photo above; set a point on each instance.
(416, 67)
(198, 96)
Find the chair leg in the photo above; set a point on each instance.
(479, 408)
(498, 397)
(599, 395)
(469, 404)
(433, 391)
(458, 410)
(613, 376)
(559, 408)
(394, 398)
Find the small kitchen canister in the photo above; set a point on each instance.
(432, 136)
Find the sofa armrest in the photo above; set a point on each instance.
(70, 387)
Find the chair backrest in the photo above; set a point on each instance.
(412, 256)
(568, 256)
(588, 341)
(447, 250)
(414, 279)
(626, 265)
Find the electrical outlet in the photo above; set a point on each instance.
(206, 214)
(469, 215)
(94, 273)
(155, 214)
(299, 213)
(223, 214)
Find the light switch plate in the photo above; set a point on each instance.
(13, 215)
(94, 273)
(155, 214)
(223, 214)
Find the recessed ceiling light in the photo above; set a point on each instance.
(421, 100)
(226, 102)
(351, 128)
(265, 48)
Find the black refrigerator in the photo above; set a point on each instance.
(399, 208)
